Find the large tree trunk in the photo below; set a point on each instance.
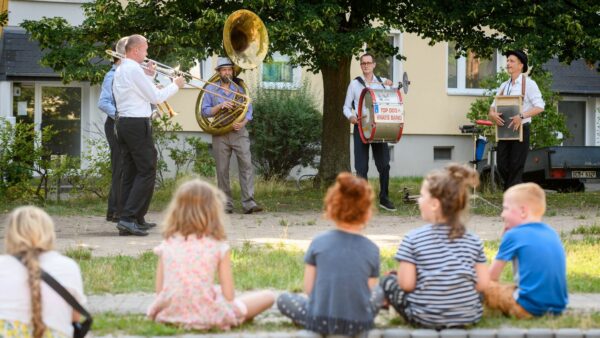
(335, 140)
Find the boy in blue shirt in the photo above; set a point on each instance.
(537, 254)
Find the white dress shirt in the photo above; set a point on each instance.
(532, 98)
(353, 94)
(134, 91)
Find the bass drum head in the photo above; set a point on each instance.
(380, 115)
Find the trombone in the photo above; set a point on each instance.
(172, 73)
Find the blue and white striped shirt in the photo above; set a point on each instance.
(445, 293)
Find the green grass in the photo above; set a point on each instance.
(109, 323)
(281, 268)
(286, 196)
(592, 230)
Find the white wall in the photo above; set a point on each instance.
(20, 10)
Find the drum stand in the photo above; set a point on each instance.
(474, 131)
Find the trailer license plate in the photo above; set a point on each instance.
(583, 174)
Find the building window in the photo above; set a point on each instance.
(52, 105)
(390, 67)
(442, 153)
(279, 73)
(466, 73)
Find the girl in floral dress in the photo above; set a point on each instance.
(192, 253)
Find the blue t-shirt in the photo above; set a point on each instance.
(539, 267)
(340, 299)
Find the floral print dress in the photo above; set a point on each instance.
(189, 297)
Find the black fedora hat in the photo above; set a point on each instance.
(520, 55)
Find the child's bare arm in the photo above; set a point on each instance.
(373, 282)
(483, 276)
(310, 274)
(496, 270)
(407, 276)
(159, 275)
(226, 276)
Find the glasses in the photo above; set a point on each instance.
(366, 63)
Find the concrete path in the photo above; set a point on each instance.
(137, 303)
(292, 228)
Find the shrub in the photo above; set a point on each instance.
(285, 131)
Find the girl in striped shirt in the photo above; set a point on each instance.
(442, 267)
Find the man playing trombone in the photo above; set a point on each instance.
(134, 92)
(220, 98)
(106, 103)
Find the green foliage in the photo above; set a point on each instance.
(286, 133)
(23, 156)
(321, 36)
(3, 18)
(204, 162)
(164, 131)
(545, 127)
(189, 151)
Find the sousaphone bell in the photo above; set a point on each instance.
(246, 43)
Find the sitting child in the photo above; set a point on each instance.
(192, 253)
(342, 267)
(537, 254)
(441, 266)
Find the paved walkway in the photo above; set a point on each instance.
(137, 303)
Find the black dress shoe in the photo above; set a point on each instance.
(131, 227)
(146, 225)
(124, 233)
(256, 208)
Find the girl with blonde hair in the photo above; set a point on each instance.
(192, 253)
(28, 307)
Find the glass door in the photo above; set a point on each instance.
(61, 109)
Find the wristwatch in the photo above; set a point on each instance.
(522, 116)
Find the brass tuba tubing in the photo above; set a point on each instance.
(172, 73)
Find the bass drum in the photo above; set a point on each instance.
(380, 115)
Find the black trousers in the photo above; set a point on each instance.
(138, 156)
(511, 158)
(114, 207)
(381, 155)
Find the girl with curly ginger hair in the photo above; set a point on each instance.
(342, 267)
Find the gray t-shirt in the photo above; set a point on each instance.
(339, 302)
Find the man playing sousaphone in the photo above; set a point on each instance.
(236, 141)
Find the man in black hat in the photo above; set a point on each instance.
(513, 153)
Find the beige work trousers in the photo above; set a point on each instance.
(237, 142)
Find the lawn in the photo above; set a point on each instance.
(280, 267)
(289, 196)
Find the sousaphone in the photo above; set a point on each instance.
(246, 43)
